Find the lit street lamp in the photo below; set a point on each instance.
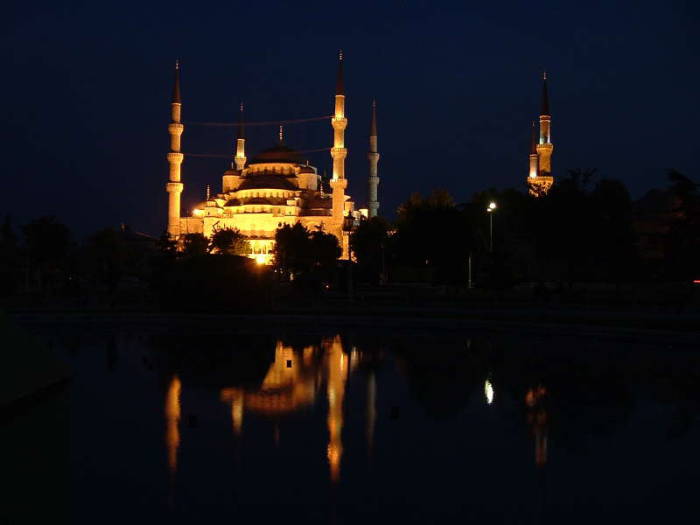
(490, 210)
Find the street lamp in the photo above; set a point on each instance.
(490, 210)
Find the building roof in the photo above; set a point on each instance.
(279, 153)
(267, 181)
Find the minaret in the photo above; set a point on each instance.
(534, 171)
(540, 178)
(240, 158)
(338, 151)
(174, 186)
(545, 146)
(373, 156)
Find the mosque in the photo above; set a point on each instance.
(276, 187)
(540, 178)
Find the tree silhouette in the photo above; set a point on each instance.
(228, 241)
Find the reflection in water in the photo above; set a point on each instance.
(488, 392)
(538, 421)
(172, 422)
(291, 383)
(337, 374)
(371, 410)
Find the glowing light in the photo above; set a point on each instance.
(172, 422)
(492, 206)
(260, 259)
(488, 392)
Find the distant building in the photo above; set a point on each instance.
(540, 177)
(276, 187)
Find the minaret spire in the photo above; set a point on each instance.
(174, 186)
(338, 153)
(177, 98)
(240, 158)
(545, 147)
(540, 175)
(340, 80)
(373, 157)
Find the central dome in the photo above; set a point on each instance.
(278, 153)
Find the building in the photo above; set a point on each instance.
(540, 177)
(276, 187)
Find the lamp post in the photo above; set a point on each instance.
(491, 208)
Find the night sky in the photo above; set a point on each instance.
(86, 90)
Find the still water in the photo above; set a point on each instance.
(321, 426)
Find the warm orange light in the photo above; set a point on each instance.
(172, 422)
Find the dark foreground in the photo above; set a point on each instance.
(238, 420)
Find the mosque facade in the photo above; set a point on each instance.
(276, 187)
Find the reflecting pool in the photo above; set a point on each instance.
(318, 426)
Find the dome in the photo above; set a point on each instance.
(278, 153)
(266, 182)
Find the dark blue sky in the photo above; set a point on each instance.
(86, 89)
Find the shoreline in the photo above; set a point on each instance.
(663, 328)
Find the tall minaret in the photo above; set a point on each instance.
(373, 156)
(545, 146)
(534, 168)
(174, 186)
(240, 158)
(338, 151)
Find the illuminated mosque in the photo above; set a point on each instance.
(277, 187)
(540, 178)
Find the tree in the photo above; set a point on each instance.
(432, 232)
(195, 244)
(48, 244)
(105, 256)
(228, 241)
(613, 240)
(369, 244)
(324, 249)
(9, 258)
(291, 249)
(298, 251)
(683, 240)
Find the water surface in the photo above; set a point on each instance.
(322, 426)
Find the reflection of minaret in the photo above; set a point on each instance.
(537, 418)
(371, 410)
(237, 411)
(337, 363)
(172, 422)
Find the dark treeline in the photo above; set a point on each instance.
(585, 230)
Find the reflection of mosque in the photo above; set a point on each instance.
(292, 382)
